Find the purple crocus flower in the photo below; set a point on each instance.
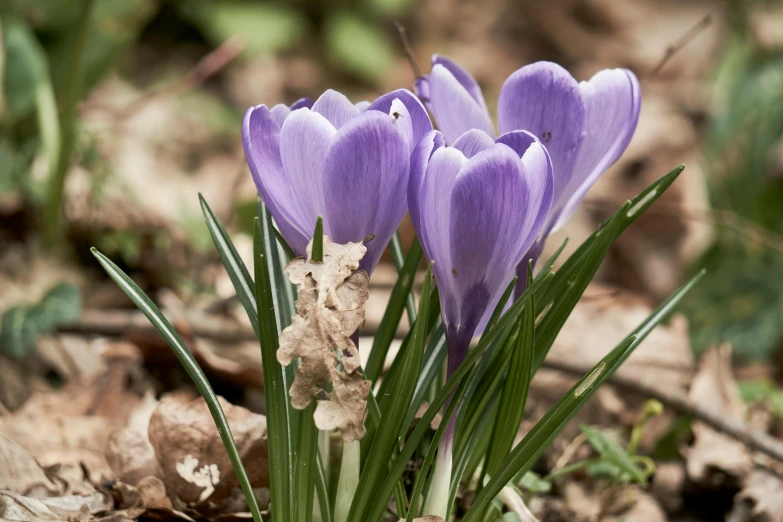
(585, 126)
(348, 163)
(477, 206)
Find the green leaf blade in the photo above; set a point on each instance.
(159, 321)
(275, 392)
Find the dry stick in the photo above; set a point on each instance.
(208, 66)
(408, 50)
(756, 441)
(120, 323)
(684, 40)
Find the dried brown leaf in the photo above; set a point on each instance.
(193, 462)
(21, 473)
(760, 499)
(330, 309)
(68, 508)
(714, 388)
(130, 456)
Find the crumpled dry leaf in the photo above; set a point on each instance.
(714, 388)
(193, 462)
(70, 427)
(760, 499)
(131, 456)
(330, 309)
(68, 508)
(21, 473)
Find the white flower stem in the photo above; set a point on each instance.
(349, 480)
(438, 498)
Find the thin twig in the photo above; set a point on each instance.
(208, 66)
(678, 402)
(406, 47)
(684, 40)
(118, 323)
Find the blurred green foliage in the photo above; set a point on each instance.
(354, 37)
(21, 325)
(740, 301)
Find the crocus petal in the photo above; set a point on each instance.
(422, 89)
(454, 109)
(279, 113)
(419, 119)
(434, 209)
(537, 172)
(362, 105)
(544, 99)
(612, 99)
(473, 142)
(302, 103)
(335, 107)
(538, 177)
(365, 182)
(463, 77)
(261, 141)
(485, 228)
(304, 141)
(420, 158)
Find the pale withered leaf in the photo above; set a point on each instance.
(330, 309)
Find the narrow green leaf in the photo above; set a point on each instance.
(534, 443)
(515, 387)
(570, 281)
(431, 368)
(399, 464)
(192, 368)
(398, 257)
(498, 311)
(322, 490)
(393, 314)
(275, 391)
(283, 297)
(317, 252)
(612, 452)
(235, 267)
(385, 441)
(306, 465)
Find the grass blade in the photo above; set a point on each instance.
(515, 387)
(275, 390)
(503, 327)
(526, 453)
(192, 368)
(386, 439)
(398, 257)
(322, 490)
(571, 280)
(306, 465)
(391, 317)
(235, 267)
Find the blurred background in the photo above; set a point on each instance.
(115, 114)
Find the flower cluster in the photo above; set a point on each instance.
(481, 205)
(482, 202)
